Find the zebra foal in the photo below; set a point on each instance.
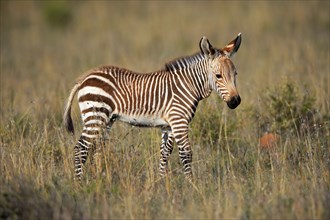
(167, 98)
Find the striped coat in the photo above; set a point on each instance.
(167, 98)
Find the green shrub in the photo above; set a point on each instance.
(287, 110)
(211, 124)
(57, 13)
(295, 117)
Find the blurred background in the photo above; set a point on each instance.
(283, 80)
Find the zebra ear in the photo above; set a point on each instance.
(233, 46)
(206, 47)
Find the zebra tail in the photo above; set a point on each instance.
(67, 120)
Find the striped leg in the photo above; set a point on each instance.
(180, 132)
(90, 137)
(166, 149)
(80, 155)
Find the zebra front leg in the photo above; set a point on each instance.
(166, 149)
(180, 133)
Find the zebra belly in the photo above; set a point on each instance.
(143, 121)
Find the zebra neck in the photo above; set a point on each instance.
(183, 63)
(192, 69)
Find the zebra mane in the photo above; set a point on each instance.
(184, 62)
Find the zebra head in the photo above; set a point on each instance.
(222, 72)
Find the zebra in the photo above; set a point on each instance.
(166, 98)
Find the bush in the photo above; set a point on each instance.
(57, 13)
(287, 111)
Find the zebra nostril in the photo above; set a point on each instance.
(234, 102)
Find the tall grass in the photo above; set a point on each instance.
(283, 79)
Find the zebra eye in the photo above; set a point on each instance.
(218, 76)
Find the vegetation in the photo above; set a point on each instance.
(57, 13)
(283, 79)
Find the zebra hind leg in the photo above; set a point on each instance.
(81, 151)
(166, 149)
(86, 145)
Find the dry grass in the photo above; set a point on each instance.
(45, 46)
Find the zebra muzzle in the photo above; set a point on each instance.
(234, 102)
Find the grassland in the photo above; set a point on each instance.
(283, 67)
